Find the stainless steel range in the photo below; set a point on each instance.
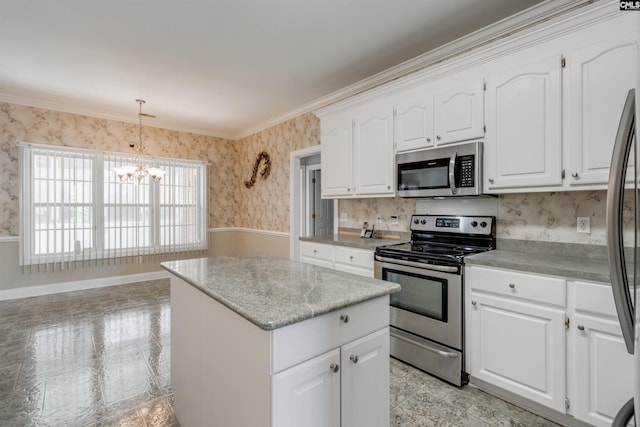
(427, 319)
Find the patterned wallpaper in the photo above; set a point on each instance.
(265, 206)
(20, 123)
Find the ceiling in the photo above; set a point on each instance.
(219, 67)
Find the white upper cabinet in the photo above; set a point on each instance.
(373, 149)
(600, 75)
(459, 111)
(337, 160)
(439, 113)
(524, 133)
(414, 119)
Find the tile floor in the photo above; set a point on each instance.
(101, 358)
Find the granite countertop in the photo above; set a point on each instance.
(352, 241)
(588, 262)
(275, 292)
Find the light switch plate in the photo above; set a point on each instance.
(344, 217)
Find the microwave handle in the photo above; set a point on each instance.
(452, 173)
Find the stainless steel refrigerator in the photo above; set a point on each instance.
(624, 265)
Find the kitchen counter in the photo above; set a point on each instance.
(352, 241)
(547, 258)
(275, 292)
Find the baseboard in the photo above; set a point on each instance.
(79, 285)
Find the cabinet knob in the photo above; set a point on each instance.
(350, 257)
(575, 174)
(512, 285)
(428, 139)
(580, 328)
(334, 367)
(473, 303)
(438, 137)
(348, 189)
(315, 251)
(491, 180)
(388, 187)
(353, 358)
(345, 318)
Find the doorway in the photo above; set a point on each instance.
(310, 215)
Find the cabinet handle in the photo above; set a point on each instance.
(428, 139)
(491, 180)
(334, 367)
(473, 303)
(353, 358)
(575, 174)
(438, 137)
(580, 328)
(345, 318)
(512, 285)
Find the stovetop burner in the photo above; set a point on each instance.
(446, 238)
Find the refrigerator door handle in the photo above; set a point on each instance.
(617, 266)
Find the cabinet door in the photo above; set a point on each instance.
(519, 347)
(523, 140)
(459, 112)
(603, 368)
(599, 78)
(308, 394)
(336, 150)
(365, 381)
(414, 119)
(373, 149)
(317, 254)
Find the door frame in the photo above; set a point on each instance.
(296, 200)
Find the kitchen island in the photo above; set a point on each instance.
(261, 341)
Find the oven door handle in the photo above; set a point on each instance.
(426, 347)
(443, 268)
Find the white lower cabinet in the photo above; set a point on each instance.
(347, 386)
(601, 363)
(518, 345)
(341, 258)
(553, 341)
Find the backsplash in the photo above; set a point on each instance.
(547, 217)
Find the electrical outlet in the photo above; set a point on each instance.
(344, 217)
(394, 219)
(584, 224)
(378, 219)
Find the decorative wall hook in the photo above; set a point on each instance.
(265, 170)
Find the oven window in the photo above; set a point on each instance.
(420, 294)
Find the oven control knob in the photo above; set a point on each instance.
(474, 223)
(416, 221)
(424, 221)
(483, 224)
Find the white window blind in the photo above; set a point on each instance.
(74, 209)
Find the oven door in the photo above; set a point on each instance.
(429, 303)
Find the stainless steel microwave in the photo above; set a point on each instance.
(450, 170)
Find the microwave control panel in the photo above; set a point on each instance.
(465, 166)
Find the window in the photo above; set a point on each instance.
(74, 207)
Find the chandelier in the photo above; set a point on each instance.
(141, 166)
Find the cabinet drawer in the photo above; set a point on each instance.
(317, 253)
(353, 257)
(302, 341)
(550, 290)
(595, 298)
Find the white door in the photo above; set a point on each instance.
(365, 381)
(336, 151)
(523, 142)
(519, 347)
(459, 112)
(600, 77)
(414, 119)
(308, 394)
(373, 149)
(603, 369)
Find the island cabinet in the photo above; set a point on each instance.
(230, 368)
